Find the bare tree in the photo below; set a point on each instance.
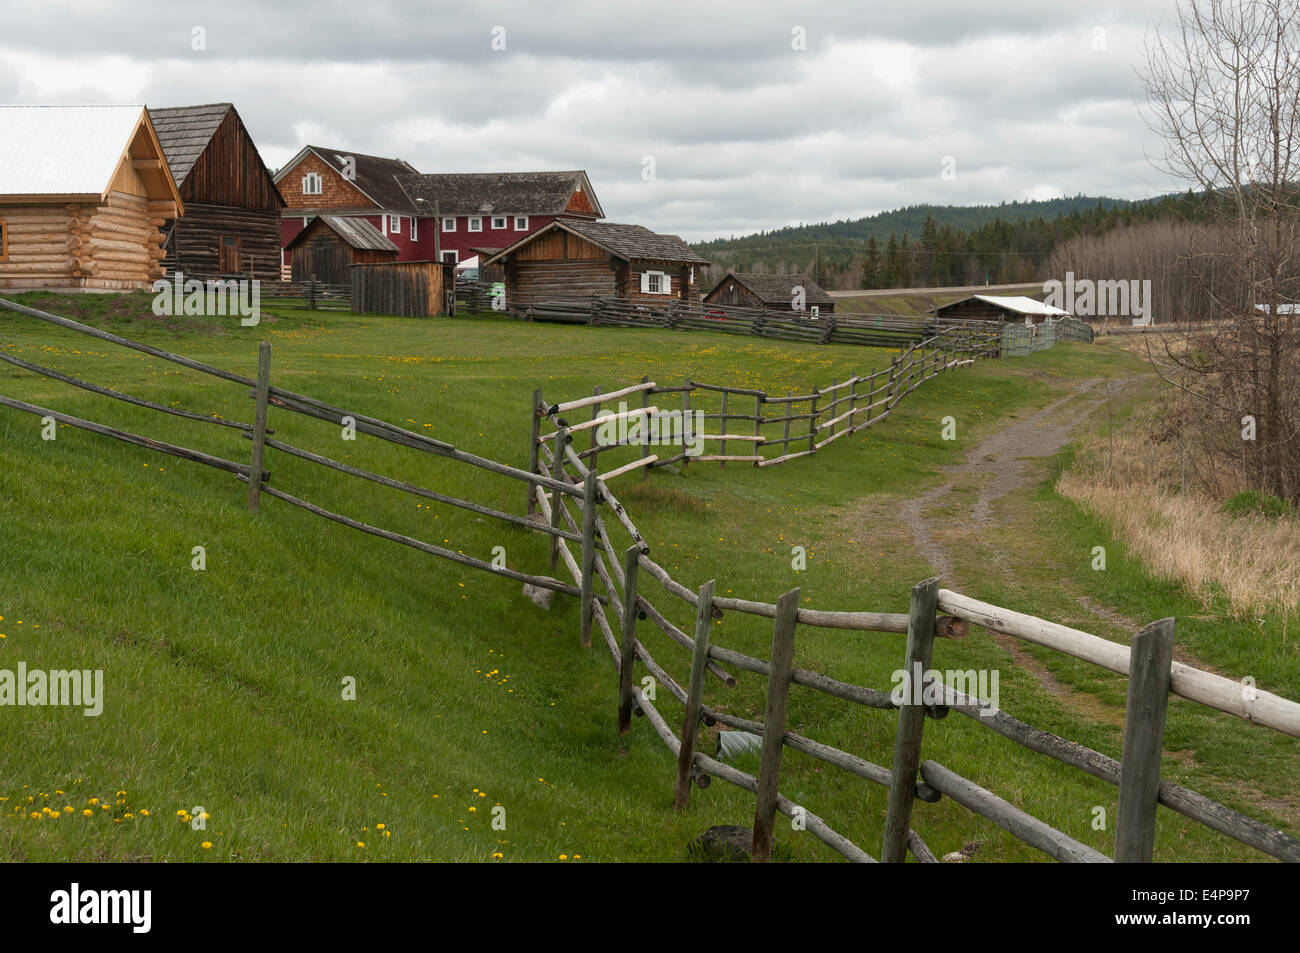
(1223, 90)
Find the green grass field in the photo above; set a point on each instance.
(224, 686)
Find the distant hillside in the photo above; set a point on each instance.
(933, 245)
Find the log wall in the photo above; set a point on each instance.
(195, 244)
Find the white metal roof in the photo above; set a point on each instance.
(63, 150)
(1021, 305)
(1281, 308)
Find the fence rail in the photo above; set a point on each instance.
(613, 600)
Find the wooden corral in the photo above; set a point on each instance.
(575, 258)
(84, 193)
(232, 206)
(327, 249)
(409, 289)
(775, 292)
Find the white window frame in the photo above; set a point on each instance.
(665, 282)
(445, 220)
(394, 224)
(476, 223)
(415, 230)
(503, 219)
(523, 227)
(312, 179)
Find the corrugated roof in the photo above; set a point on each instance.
(63, 150)
(776, 289)
(184, 132)
(356, 232)
(505, 193)
(1021, 305)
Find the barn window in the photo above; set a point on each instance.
(449, 223)
(475, 223)
(498, 221)
(521, 223)
(451, 256)
(395, 224)
(311, 184)
(415, 232)
(656, 283)
(4, 241)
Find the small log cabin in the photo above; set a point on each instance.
(330, 245)
(1017, 308)
(573, 257)
(231, 226)
(84, 194)
(774, 292)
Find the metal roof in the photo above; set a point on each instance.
(63, 150)
(356, 232)
(1019, 304)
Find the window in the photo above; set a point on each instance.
(498, 221)
(311, 184)
(521, 223)
(395, 224)
(4, 241)
(415, 231)
(451, 256)
(475, 223)
(656, 283)
(449, 223)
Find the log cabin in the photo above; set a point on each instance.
(774, 292)
(330, 245)
(1017, 308)
(84, 194)
(231, 226)
(576, 257)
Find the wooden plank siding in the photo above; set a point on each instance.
(411, 289)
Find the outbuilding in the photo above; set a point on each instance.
(84, 194)
(774, 292)
(330, 245)
(1004, 308)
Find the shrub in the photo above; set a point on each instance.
(1254, 502)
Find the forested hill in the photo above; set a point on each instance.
(931, 245)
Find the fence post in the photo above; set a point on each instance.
(259, 425)
(312, 292)
(911, 721)
(686, 415)
(595, 412)
(1150, 658)
(812, 421)
(627, 657)
(533, 448)
(778, 689)
(758, 426)
(694, 694)
(645, 425)
(589, 493)
(722, 450)
(557, 498)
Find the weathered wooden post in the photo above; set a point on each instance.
(911, 720)
(758, 425)
(722, 452)
(590, 491)
(259, 425)
(595, 412)
(694, 695)
(778, 689)
(627, 657)
(533, 448)
(1150, 657)
(645, 425)
(686, 426)
(557, 498)
(812, 421)
(312, 293)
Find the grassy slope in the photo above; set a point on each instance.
(224, 686)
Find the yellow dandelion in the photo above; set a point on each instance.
(87, 813)
(206, 844)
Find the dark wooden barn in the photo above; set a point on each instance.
(775, 292)
(410, 289)
(330, 245)
(231, 226)
(1015, 308)
(569, 258)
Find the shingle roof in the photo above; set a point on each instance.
(184, 132)
(356, 232)
(775, 289)
(635, 241)
(505, 193)
(63, 150)
(375, 176)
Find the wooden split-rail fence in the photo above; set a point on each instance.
(571, 502)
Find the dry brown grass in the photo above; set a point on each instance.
(1181, 532)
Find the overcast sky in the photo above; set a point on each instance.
(1028, 98)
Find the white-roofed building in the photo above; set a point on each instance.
(999, 308)
(83, 193)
